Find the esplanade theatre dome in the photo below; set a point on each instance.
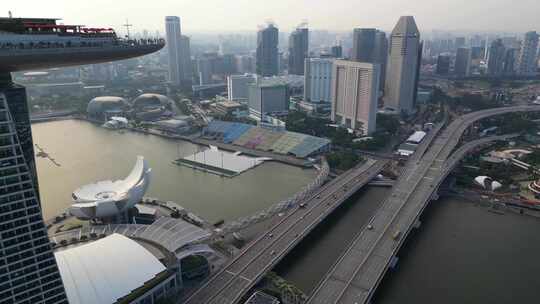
(104, 106)
(149, 101)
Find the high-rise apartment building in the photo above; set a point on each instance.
(355, 88)
(318, 80)
(298, 50)
(496, 57)
(527, 62)
(404, 60)
(174, 49)
(267, 51)
(462, 66)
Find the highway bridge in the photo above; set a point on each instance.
(358, 272)
(236, 278)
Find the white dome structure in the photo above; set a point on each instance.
(107, 198)
(150, 101)
(103, 107)
(487, 183)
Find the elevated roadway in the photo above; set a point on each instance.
(231, 283)
(358, 272)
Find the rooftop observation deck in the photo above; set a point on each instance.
(17, 57)
(30, 44)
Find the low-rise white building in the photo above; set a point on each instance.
(114, 269)
(416, 137)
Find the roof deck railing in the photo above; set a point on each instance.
(117, 42)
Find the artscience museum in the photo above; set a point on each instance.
(110, 199)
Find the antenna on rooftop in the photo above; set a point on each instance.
(127, 25)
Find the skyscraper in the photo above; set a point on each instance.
(443, 64)
(208, 64)
(462, 67)
(528, 55)
(174, 49)
(371, 45)
(185, 51)
(363, 44)
(510, 60)
(28, 270)
(354, 95)
(245, 64)
(459, 43)
(403, 65)
(267, 51)
(380, 55)
(496, 56)
(298, 50)
(336, 51)
(318, 80)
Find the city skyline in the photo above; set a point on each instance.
(336, 115)
(320, 15)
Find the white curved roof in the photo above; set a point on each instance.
(481, 180)
(493, 185)
(152, 98)
(108, 198)
(108, 98)
(417, 137)
(105, 270)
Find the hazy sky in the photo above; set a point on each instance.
(225, 15)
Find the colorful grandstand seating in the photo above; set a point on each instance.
(281, 142)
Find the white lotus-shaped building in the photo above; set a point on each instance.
(109, 198)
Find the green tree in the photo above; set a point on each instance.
(343, 160)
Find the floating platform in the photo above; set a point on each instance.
(219, 162)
